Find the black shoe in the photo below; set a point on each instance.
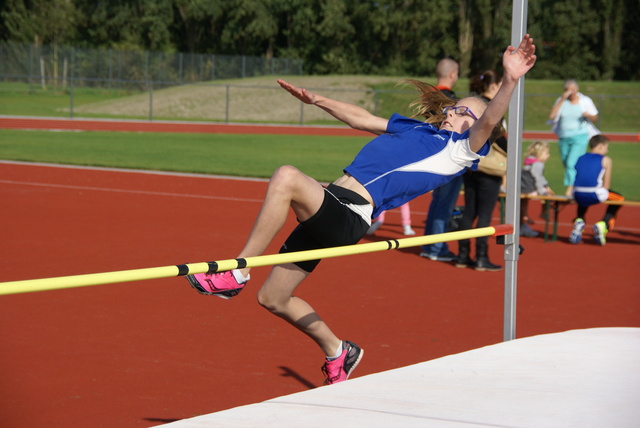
(463, 254)
(483, 264)
(464, 261)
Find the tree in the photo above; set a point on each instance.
(193, 19)
(297, 37)
(337, 32)
(492, 29)
(628, 67)
(612, 12)
(568, 31)
(583, 39)
(465, 35)
(250, 28)
(41, 21)
(404, 36)
(128, 24)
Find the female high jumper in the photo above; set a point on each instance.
(409, 157)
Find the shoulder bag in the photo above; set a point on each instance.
(495, 162)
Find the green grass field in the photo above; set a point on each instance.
(238, 155)
(243, 155)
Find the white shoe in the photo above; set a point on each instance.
(600, 232)
(408, 231)
(576, 232)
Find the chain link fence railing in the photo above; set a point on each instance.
(60, 66)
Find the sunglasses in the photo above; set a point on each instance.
(459, 111)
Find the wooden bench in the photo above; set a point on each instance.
(557, 203)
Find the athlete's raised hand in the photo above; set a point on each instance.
(354, 116)
(518, 61)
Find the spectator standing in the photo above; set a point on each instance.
(443, 199)
(573, 115)
(405, 216)
(447, 72)
(481, 190)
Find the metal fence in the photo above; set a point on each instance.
(127, 69)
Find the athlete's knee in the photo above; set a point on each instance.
(290, 183)
(269, 301)
(285, 175)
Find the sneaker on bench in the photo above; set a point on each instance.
(576, 233)
(600, 232)
(223, 284)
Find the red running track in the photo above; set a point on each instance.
(145, 353)
(15, 122)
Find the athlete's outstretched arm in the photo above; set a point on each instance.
(516, 62)
(354, 116)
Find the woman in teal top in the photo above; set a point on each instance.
(572, 116)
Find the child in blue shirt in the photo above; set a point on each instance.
(592, 186)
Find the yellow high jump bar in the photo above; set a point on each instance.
(56, 283)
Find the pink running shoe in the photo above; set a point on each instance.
(223, 284)
(338, 370)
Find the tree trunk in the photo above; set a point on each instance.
(612, 38)
(465, 37)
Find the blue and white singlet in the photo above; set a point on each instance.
(588, 186)
(411, 159)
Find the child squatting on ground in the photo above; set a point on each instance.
(533, 182)
(592, 186)
(408, 158)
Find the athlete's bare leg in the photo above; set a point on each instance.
(288, 188)
(276, 294)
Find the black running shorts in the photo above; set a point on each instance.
(335, 224)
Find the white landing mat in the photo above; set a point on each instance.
(579, 378)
